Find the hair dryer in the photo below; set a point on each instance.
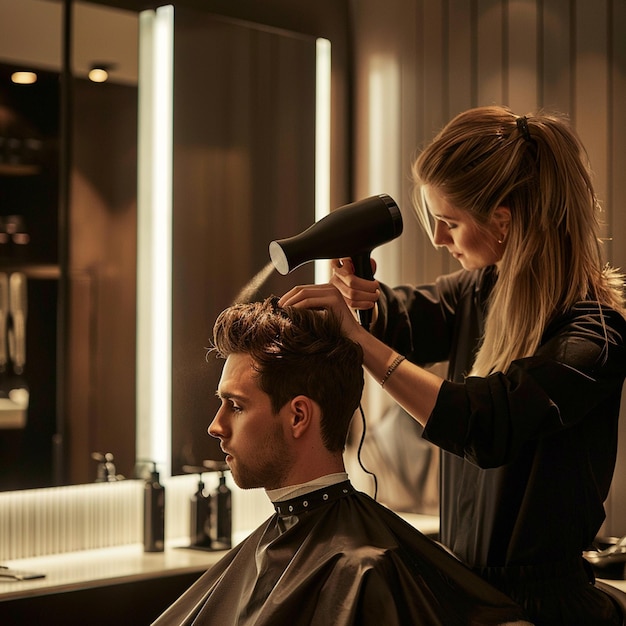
(353, 230)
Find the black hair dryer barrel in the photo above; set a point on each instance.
(353, 230)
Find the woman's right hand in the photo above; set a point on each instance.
(359, 293)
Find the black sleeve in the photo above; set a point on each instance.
(419, 322)
(580, 366)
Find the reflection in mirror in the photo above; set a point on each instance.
(243, 174)
(29, 274)
(99, 388)
(29, 186)
(85, 242)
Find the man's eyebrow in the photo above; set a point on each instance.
(225, 395)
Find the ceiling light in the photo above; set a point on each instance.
(99, 74)
(24, 78)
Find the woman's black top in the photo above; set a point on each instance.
(529, 453)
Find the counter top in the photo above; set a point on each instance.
(107, 566)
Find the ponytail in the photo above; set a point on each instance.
(537, 167)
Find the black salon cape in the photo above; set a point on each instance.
(339, 558)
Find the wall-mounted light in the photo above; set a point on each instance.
(322, 141)
(154, 237)
(24, 78)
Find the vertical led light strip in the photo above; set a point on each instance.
(154, 238)
(322, 142)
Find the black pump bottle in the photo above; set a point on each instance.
(154, 513)
(200, 517)
(221, 516)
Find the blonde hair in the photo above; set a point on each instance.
(536, 166)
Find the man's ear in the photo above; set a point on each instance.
(302, 410)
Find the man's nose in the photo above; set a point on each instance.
(215, 428)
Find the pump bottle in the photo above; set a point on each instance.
(221, 516)
(154, 513)
(199, 517)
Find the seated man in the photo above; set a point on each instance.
(330, 555)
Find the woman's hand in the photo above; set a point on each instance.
(359, 293)
(322, 297)
(345, 291)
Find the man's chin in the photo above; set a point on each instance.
(244, 482)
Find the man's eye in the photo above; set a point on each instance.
(231, 406)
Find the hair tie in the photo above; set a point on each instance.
(522, 126)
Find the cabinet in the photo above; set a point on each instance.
(29, 246)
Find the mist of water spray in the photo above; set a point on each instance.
(252, 286)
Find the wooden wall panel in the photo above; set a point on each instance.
(436, 68)
(590, 109)
(616, 201)
(554, 86)
(490, 45)
(616, 194)
(521, 36)
(436, 91)
(461, 86)
(410, 247)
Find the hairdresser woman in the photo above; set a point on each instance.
(534, 332)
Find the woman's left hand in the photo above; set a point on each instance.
(322, 297)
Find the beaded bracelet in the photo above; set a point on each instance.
(392, 369)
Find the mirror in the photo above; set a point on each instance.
(243, 174)
(79, 261)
